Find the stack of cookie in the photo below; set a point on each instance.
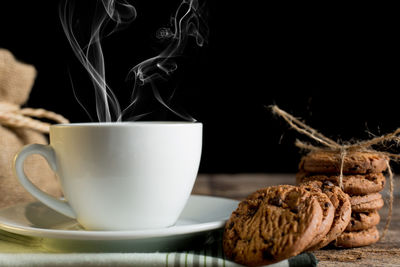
(276, 223)
(362, 181)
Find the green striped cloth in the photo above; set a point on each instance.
(17, 250)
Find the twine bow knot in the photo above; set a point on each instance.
(14, 116)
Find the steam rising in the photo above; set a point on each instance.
(184, 24)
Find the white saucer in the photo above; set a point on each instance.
(202, 214)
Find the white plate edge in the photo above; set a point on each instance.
(117, 235)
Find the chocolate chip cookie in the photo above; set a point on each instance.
(341, 203)
(356, 184)
(328, 212)
(363, 221)
(358, 238)
(353, 163)
(366, 203)
(272, 224)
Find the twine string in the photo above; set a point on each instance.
(12, 115)
(343, 149)
(342, 155)
(305, 129)
(391, 188)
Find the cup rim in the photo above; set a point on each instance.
(126, 124)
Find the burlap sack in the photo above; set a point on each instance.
(16, 80)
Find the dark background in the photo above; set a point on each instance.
(335, 66)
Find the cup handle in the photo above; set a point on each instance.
(47, 152)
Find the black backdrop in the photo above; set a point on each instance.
(336, 66)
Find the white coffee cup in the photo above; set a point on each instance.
(119, 176)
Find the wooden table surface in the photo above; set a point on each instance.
(384, 253)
